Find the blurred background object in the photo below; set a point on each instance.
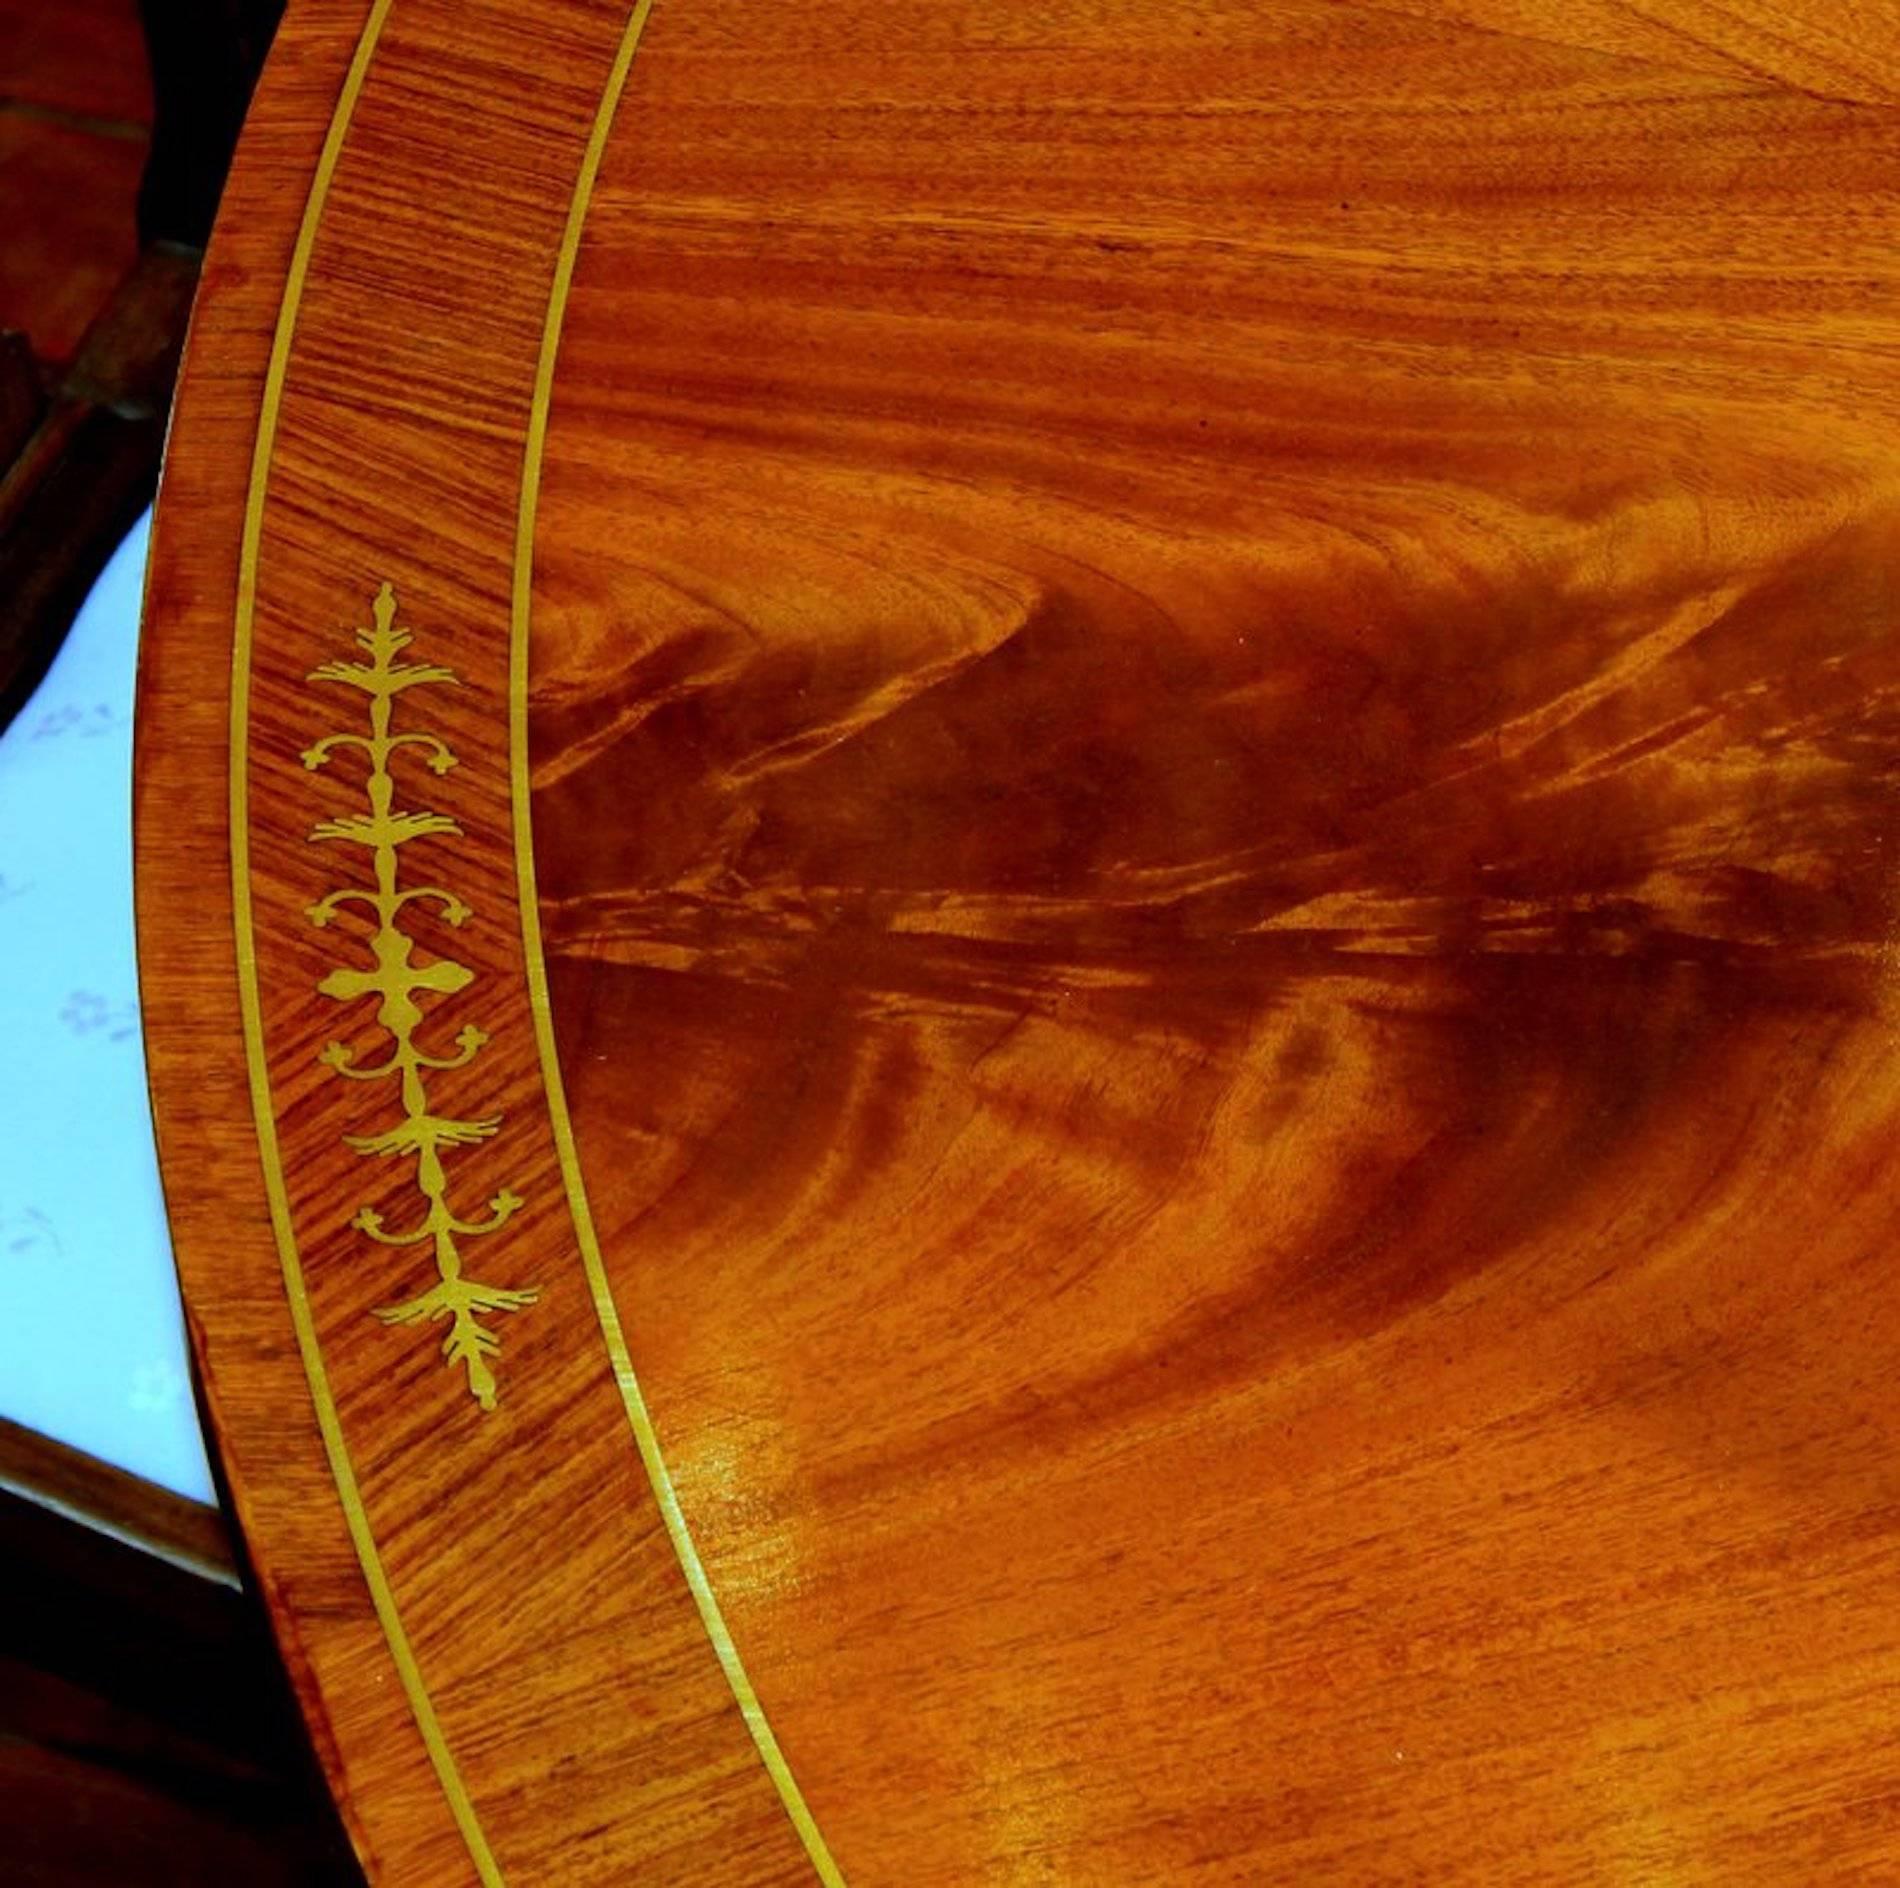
(145, 1733)
(117, 124)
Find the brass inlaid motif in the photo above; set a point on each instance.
(394, 979)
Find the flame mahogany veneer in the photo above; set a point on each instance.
(1212, 718)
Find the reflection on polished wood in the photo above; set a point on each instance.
(1212, 723)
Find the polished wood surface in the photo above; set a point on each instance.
(75, 125)
(1205, 997)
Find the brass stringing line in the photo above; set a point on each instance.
(638, 1418)
(250, 1008)
(421, 1134)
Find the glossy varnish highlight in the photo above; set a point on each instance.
(1212, 724)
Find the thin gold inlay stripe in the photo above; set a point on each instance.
(630, 1393)
(342, 1469)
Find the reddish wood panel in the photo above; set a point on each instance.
(1212, 710)
(75, 109)
(85, 57)
(67, 198)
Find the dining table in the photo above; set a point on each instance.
(1019, 916)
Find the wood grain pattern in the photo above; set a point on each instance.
(1212, 711)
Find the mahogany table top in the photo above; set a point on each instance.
(1018, 892)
